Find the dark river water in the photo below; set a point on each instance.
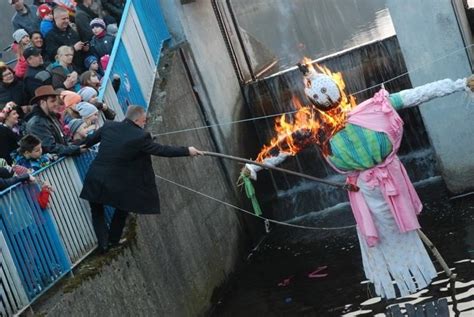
(276, 278)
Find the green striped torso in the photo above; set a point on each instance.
(357, 148)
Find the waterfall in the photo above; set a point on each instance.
(288, 196)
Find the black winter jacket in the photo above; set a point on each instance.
(57, 38)
(122, 175)
(34, 78)
(82, 19)
(48, 130)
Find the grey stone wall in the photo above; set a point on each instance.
(179, 257)
(427, 32)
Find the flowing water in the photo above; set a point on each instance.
(288, 196)
(276, 278)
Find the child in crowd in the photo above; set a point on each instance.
(69, 100)
(90, 78)
(112, 27)
(21, 41)
(89, 94)
(91, 63)
(101, 43)
(30, 154)
(89, 113)
(45, 13)
(79, 131)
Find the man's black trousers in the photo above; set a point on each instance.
(111, 236)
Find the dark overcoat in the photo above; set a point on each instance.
(122, 175)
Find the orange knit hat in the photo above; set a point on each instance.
(70, 99)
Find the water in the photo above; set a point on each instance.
(275, 281)
(289, 30)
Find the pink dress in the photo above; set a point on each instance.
(386, 209)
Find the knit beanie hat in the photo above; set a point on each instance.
(44, 10)
(112, 29)
(19, 34)
(108, 19)
(70, 99)
(74, 125)
(97, 22)
(89, 60)
(87, 93)
(86, 109)
(104, 61)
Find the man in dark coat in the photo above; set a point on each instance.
(36, 74)
(63, 34)
(122, 175)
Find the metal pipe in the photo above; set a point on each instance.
(349, 187)
(241, 41)
(227, 42)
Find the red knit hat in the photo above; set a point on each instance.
(44, 10)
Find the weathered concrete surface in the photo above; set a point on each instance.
(180, 256)
(427, 31)
(215, 80)
(6, 14)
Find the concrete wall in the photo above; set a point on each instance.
(215, 79)
(425, 38)
(180, 256)
(6, 14)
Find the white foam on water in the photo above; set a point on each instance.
(371, 301)
(357, 313)
(440, 281)
(417, 294)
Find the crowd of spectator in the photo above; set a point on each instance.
(48, 99)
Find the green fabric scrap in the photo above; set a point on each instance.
(250, 191)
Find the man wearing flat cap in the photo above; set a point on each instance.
(36, 74)
(43, 123)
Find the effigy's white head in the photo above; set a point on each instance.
(321, 90)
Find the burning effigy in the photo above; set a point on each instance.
(361, 141)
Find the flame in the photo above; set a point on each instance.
(309, 125)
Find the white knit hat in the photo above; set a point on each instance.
(19, 34)
(86, 109)
(87, 93)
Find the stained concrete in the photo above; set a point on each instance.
(432, 46)
(215, 80)
(6, 14)
(178, 258)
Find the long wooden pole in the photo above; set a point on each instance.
(349, 187)
(452, 276)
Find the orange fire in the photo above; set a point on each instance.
(309, 125)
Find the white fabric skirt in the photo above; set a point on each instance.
(399, 260)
